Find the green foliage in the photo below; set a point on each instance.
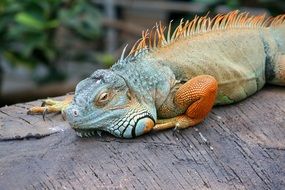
(233, 4)
(107, 59)
(83, 19)
(28, 28)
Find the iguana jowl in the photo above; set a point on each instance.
(174, 79)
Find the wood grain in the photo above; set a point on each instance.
(240, 146)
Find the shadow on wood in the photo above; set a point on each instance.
(240, 146)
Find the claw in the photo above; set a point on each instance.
(176, 133)
(63, 115)
(99, 133)
(176, 130)
(50, 106)
(29, 112)
(44, 114)
(43, 104)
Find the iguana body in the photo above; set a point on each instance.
(179, 77)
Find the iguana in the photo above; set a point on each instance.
(172, 79)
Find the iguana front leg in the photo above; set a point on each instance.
(197, 97)
(51, 106)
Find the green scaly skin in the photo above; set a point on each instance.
(124, 98)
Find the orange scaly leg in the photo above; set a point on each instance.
(197, 96)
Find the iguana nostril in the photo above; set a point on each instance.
(75, 112)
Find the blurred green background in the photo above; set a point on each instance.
(29, 31)
(48, 46)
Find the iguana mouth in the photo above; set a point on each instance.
(86, 132)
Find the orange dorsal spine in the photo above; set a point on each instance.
(156, 37)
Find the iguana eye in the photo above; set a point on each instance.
(102, 99)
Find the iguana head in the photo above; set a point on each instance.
(104, 102)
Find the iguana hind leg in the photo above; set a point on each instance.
(197, 97)
(51, 106)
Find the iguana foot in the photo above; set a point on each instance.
(197, 96)
(50, 106)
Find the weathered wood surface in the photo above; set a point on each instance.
(241, 146)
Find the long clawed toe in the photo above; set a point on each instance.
(50, 106)
(45, 108)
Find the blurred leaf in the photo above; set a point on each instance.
(4, 21)
(29, 29)
(46, 6)
(52, 24)
(107, 59)
(49, 53)
(83, 19)
(33, 41)
(15, 32)
(13, 6)
(17, 59)
(233, 3)
(29, 20)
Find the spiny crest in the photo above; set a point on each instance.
(156, 37)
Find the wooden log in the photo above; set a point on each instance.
(240, 146)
